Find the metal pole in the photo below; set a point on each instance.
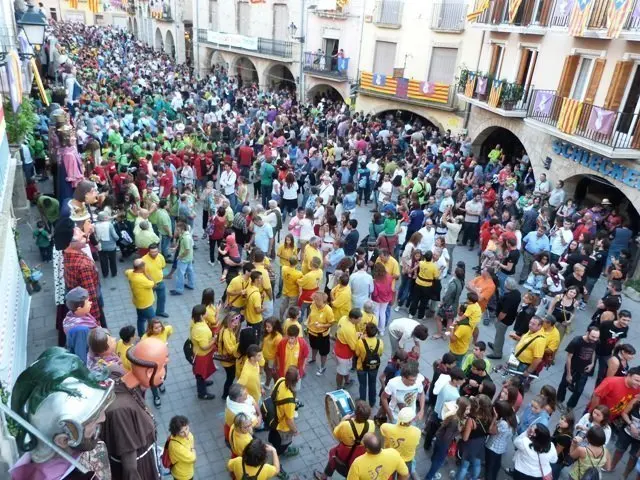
(303, 26)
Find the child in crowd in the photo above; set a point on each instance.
(230, 250)
(272, 337)
(533, 413)
(293, 318)
(79, 305)
(43, 242)
(127, 340)
(157, 329)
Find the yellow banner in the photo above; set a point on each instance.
(36, 75)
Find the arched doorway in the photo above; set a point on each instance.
(406, 117)
(322, 90)
(492, 136)
(218, 60)
(170, 45)
(246, 72)
(159, 44)
(279, 77)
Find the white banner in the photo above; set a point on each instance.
(233, 40)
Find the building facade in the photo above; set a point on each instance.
(571, 102)
(108, 13)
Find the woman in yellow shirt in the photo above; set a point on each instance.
(211, 315)
(293, 318)
(289, 287)
(203, 343)
(272, 337)
(250, 375)
(227, 342)
(240, 435)
(156, 329)
(286, 250)
(253, 462)
(368, 316)
(309, 285)
(318, 325)
(426, 288)
(182, 449)
(341, 297)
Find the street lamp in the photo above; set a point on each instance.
(33, 23)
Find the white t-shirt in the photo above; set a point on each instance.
(557, 248)
(401, 329)
(290, 192)
(326, 192)
(428, 237)
(306, 229)
(401, 393)
(527, 459)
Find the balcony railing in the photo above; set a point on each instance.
(598, 18)
(388, 13)
(277, 48)
(436, 95)
(495, 93)
(633, 23)
(448, 16)
(615, 130)
(265, 46)
(326, 65)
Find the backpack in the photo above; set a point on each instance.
(371, 358)
(187, 349)
(269, 406)
(342, 466)
(166, 460)
(246, 476)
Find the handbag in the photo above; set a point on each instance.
(513, 361)
(452, 451)
(548, 476)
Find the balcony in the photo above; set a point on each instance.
(631, 30)
(259, 46)
(340, 13)
(496, 18)
(388, 13)
(448, 17)
(606, 132)
(325, 66)
(503, 98)
(403, 90)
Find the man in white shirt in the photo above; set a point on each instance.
(228, 184)
(405, 330)
(560, 239)
(326, 191)
(361, 284)
(543, 186)
(428, 236)
(403, 391)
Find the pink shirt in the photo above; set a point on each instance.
(294, 227)
(383, 289)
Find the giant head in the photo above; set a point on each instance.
(148, 358)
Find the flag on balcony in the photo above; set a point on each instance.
(617, 16)
(470, 86)
(343, 64)
(569, 115)
(580, 16)
(494, 96)
(473, 16)
(402, 87)
(73, 4)
(481, 88)
(427, 88)
(542, 104)
(439, 91)
(514, 5)
(601, 121)
(94, 5)
(379, 80)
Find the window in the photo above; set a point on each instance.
(497, 52)
(630, 103)
(582, 78)
(280, 21)
(54, 14)
(536, 16)
(384, 57)
(389, 12)
(243, 18)
(443, 65)
(213, 15)
(527, 65)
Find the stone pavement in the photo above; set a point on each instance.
(206, 417)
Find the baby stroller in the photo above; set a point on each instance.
(126, 244)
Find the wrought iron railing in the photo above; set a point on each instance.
(598, 18)
(389, 13)
(616, 130)
(633, 22)
(495, 93)
(266, 46)
(448, 16)
(325, 65)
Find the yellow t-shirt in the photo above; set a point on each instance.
(234, 297)
(404, 439)
(250, 378)
(427, 273)
(182, 452)
(121, 351)
(266, 281)
(290, 321)
(284, 253)
(380, 466)
(286, 410)
(154, 266)
(361, 352)
(200, 336)
(474, 313)
(553, 339)
(235, 467)
(290, 277)
(534, 350)
(347, 333)
(254, 301)
(344, 434)
(392, 267)
(211, 316)
(227, 345)
(320, 320)
(164, 335)
(238, 441)
(309, 253)
(291, 355)
(341, 300)
(464, 334)
(366, 318)
(270, 345)
(141, 289)
(310, 280)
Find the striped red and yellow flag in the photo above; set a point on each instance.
(514, 5)
(94, 5)
(389, 87)
(470, 87)
(473, 16)
(494, 95)
(580, 16)
(617, 16)
(569, 115)
(73, 4)
(414, 90)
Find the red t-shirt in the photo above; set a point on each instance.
(245, 156)
(615, 394)
(166, 181)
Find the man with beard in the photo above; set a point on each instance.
(65, 402)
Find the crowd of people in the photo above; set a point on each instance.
(150, 160)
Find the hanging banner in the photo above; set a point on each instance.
(580, 16)
(617, 16)
(36, 75)
(14, 74)
(473, 16)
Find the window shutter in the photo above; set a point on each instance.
(568, 74)
(525, 58)
(546, 12)
(594, 82)
(528, 12)
(498, 7)
(618, 84)
(442, 66)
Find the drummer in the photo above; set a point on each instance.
(349, 432)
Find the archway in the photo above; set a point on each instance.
(279, 77)
(218, 60)
(492, 136)
(246, 72)
(170, 46)
(159, 44)
(406, 117)
(322, 90)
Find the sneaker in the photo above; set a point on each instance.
(321, 371)
(162, 389)
(211, 263)
(397, 309)
(157, 402)
(437, 476)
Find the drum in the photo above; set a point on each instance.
(337, 404)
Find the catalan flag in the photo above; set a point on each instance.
(473, 16)
(514, 5)
(494, 95)
(378, 83)
(471, 85)
(94, 5)
(580, 16)
(382, 84)
(569, 115)
(617, 16)
(440, 92)
(73, 4)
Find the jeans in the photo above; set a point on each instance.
(527, 262)
(165, 241)
(367, 380)
(492, 464)
(144, 315)
(231, 376)
(184, 268)
(438, 457)
(265, 191)
(498, 340)
(469, 233)
(161, 297)
(108, 261)
(406, 284)
(475, 465)
(602, 368)
(431, 427)
(233, 201)
(501, 279)
(201, 386)
(579, 381)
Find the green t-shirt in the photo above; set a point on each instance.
(42, 238)
(266, 177)
(52, 212)
(163, 222)
(186, 248)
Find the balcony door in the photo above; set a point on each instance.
(280, 21)
(497, 52)
(628, 118)
(243, 18)
(527, 65)
(581, 80)
(384, 57)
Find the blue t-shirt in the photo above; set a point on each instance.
(447, 394)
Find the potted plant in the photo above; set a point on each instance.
(510, 95)
(462, 81)
(20, 123)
